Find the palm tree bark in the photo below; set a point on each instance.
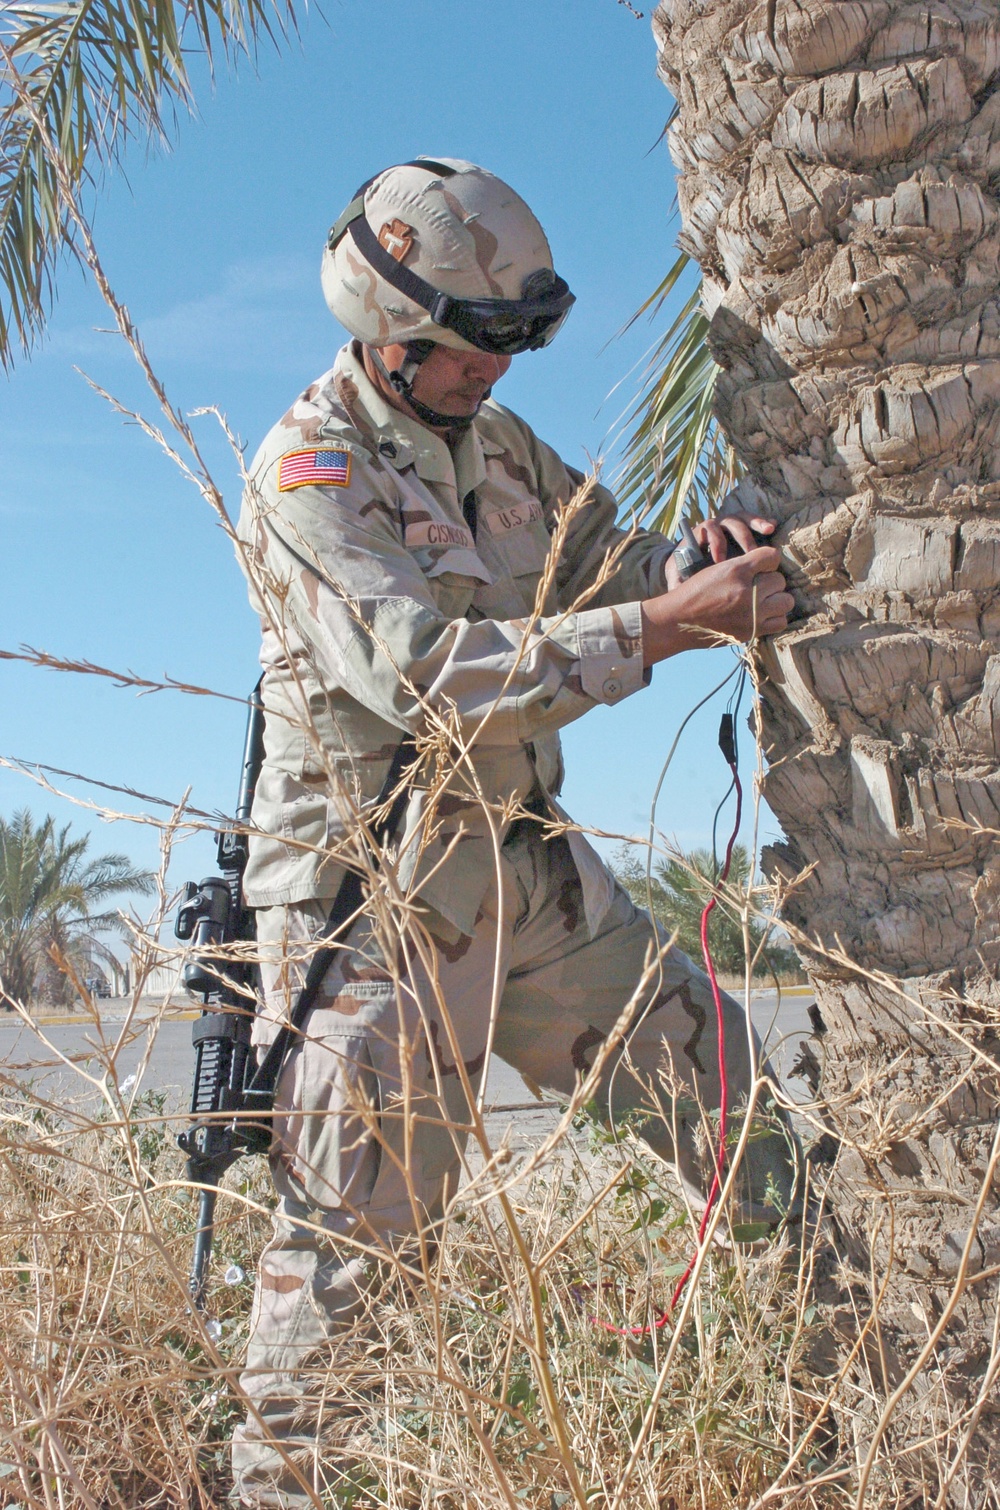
(839, 163)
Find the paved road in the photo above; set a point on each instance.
(58, 1059)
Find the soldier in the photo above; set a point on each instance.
(424, 564)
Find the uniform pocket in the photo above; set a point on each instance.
(518, 537)
(517, 552)
(453, 592)
(326, 1118)
(462, 564)
(355, 1135)
(453, 576)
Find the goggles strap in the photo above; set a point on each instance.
(356, 208)
(399, 277)
(405, 280)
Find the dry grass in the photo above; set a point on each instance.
(115, 1394)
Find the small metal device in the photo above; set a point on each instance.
(688, 555)
(690, 558)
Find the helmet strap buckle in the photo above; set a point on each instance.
(401, 382)
(416, 353)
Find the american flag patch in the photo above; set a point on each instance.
(303, 469)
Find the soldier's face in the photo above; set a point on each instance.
(452, 382)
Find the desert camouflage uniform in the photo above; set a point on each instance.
(411, 584)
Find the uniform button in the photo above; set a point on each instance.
(612, 687)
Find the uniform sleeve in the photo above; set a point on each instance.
(594, 536)
(334, 570)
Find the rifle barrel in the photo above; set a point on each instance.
(198, 1282)
(253, 755)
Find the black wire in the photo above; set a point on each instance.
(738, 669)
(733, 708)
(663, 776)
(715, 824)
(736, 696)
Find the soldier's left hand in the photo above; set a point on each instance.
(715, 534)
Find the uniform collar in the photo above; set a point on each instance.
(403, 442)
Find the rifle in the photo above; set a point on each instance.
(233, 1095)
(211, 914)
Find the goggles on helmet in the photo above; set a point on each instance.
(503, 327)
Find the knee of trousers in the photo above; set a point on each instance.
(682, 1129)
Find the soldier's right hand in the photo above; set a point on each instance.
(741, 599)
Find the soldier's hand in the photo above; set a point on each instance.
(721, 538)
(741, 599)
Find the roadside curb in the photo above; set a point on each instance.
(82, 1019)
(188, 1014)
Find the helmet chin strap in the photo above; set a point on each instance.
(401, 381)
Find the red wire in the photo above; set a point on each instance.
(720, 1156)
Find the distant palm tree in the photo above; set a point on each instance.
(53, 901)
(679, 889)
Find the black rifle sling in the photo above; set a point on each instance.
(259, 1094)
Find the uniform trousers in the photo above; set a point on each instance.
(372, 1110)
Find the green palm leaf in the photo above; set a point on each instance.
(95, 73)
(677, 461)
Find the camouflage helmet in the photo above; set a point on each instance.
(439, 250)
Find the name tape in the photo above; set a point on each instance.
(439, 532)
(502, 520)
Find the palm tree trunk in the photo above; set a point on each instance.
(839, 163)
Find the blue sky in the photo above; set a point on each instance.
(110, 556)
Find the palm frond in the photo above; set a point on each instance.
(677, 461)
(96, 73)
(110, 874)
